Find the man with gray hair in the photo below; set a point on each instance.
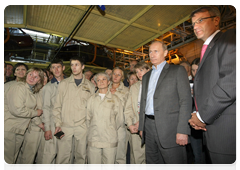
(165, 108)
(215, 86)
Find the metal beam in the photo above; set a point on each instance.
(162, 32)
(129, 23)
(117, 46)
(44, 30)
(176, 23)
(182, 43)
(145, 28)
(66, 35)
(25, 15)
(14, 25)
(76, 28)
(117, 19)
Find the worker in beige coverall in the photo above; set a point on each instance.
(132, 114)
(131, 79)
(34, 133)
(117, 87)
(19, 107)
(49, 146)
(104, 119)
(70, 114)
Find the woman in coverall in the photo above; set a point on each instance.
(131, 114)
(34, 135)
(19, 72)
(117, 87)
(104, 120)
(20, 105)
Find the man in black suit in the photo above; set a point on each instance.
(215, 86)
(165, 108)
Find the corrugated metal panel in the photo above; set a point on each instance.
(124, 11)
(131, 37)
(99, 28)
(54, 17)
(161, 17)
(125, 26)
(13, 14)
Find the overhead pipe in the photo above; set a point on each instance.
(8, 36)
(76, 28)
(109, 57)
(95, 64)
(67, 42)
(114, 59)
(95, 54)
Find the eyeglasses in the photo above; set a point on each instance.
(200, 20)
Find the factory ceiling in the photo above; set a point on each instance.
(120, 27)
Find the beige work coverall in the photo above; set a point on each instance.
(131, 117)
(47, 151)
(32, 137)
(104, 119)
(19, 107)
(48, 147)
(70, 114)
(122, 93)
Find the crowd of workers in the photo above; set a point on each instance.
(163, 113)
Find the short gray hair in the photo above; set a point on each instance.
(164, 46)
(213, 11)
(101, 74)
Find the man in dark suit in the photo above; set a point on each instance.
(164, 109)
(215, 86)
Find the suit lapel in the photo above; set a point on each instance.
(162, 75)
(209, 48)
(148, 74)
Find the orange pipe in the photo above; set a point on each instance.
(95, 64)
(114, 61)
(8, 36)
(67, 42)
(109, 57)
(95, 54)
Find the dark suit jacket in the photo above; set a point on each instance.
(215, 92)
(172, 104)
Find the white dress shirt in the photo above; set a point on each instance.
(207, 42)
(155, 74)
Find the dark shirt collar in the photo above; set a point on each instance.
(31, 87)
(53, 80)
